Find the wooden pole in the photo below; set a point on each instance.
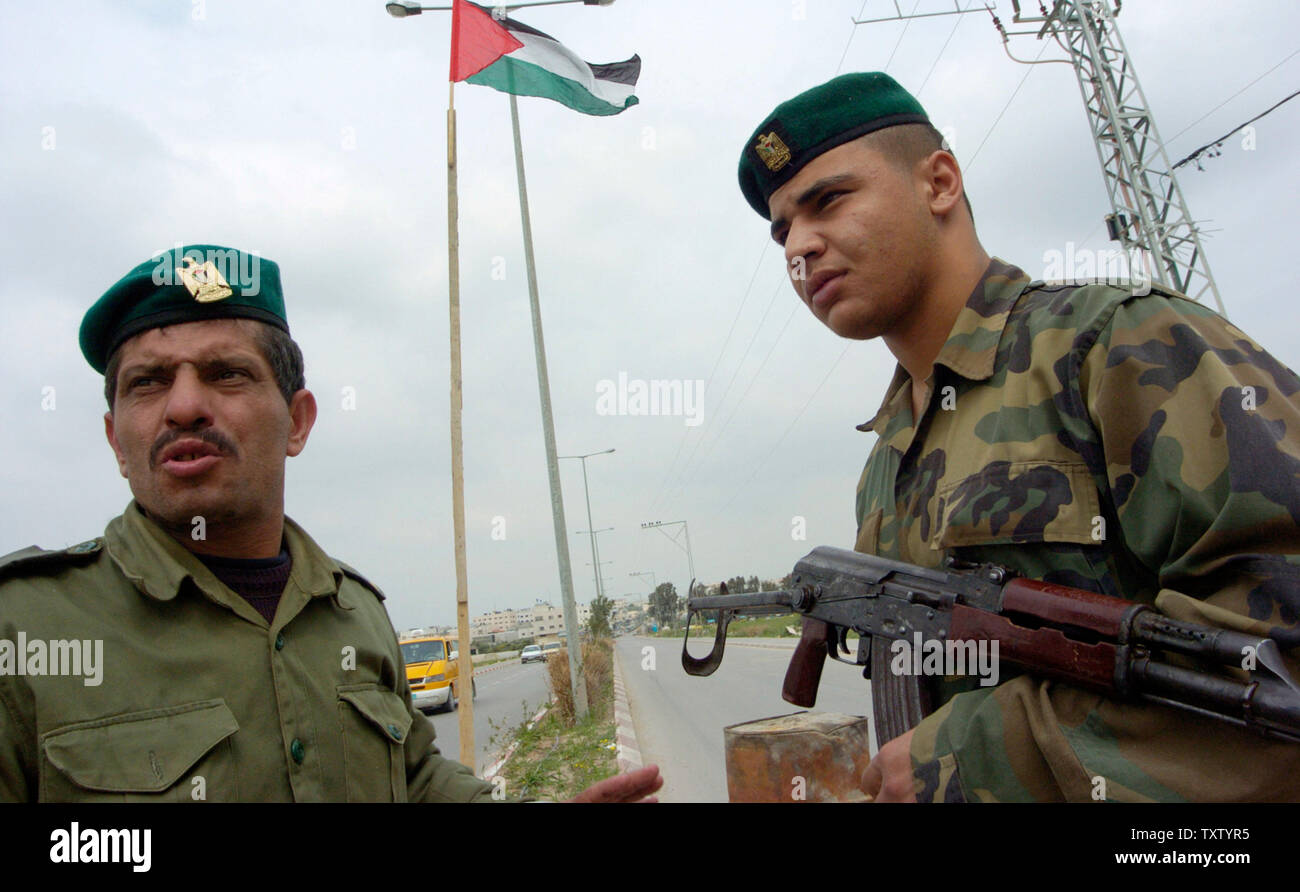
(465, 665)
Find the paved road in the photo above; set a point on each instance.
(505, 695)
(679, 718)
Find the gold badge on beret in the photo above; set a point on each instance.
(773, 151)
(204, 281)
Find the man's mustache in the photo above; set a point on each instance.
(207, 435)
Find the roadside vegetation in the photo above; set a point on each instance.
(753, 627)
(557, 758)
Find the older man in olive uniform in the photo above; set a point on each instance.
(233, 658)
(1102, 437)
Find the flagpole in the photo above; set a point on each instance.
(576, 677)
(465, 665)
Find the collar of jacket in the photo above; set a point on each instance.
(972, 345)
(158, 565)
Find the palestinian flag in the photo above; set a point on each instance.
(509, 56)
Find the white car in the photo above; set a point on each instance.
(530, 653)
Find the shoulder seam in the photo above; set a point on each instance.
(36, 558)
(353, 573)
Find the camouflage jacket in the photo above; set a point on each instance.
(181, 691)
(1139, 446)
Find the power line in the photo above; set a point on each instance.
(758, 467)
(727, 340)
(998, 119)
(754, 378)
(901, 34)
(849, 42)
(1230, 98)
(1217, 142)
(761, 365)
(683, 476)
(942, 50)
(663, 486)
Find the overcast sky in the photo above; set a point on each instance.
(315, 134)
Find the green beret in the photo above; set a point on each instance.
(186, 284)
(817, 121)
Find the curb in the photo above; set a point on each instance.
(495, 768)
(629, 754)
(500, 664)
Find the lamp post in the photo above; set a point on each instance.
(402, 9)
(596, 561)
(595, 558)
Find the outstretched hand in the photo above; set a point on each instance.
(634, 786)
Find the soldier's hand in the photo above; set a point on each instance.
(889, 776)
(635, 786)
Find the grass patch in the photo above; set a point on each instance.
(750, 627)
(558, 758)
(747, 627)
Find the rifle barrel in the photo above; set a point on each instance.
(750, 604)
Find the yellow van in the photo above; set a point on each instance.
(431, 671)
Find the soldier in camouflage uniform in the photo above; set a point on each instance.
(1101, 437)
(233, 659)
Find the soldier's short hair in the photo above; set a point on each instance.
(906, 144)
(280, 351)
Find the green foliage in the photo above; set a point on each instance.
(555, 759)
(665, 603)
(601, 609)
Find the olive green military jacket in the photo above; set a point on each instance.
(1136, 445)
(128, 672)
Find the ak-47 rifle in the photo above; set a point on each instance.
(1090, 640)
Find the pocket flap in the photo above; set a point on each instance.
(1023, 501)
(384, 709)
(139, 752)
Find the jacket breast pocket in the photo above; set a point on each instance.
(171, 754)
(375, 723)
(1020, 502)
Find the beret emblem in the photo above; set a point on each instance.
(773, 152)
(204, 281)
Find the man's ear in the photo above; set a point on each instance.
(943, 182)
(302, 416)
(112, 441)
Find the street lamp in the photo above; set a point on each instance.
(595, 560)
(600, 588)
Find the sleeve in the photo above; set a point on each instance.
(17, 751)
(1194, 434)
(430, 777)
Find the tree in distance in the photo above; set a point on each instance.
(598, 624)
(664, 603)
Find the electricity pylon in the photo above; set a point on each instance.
(1148, 211)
